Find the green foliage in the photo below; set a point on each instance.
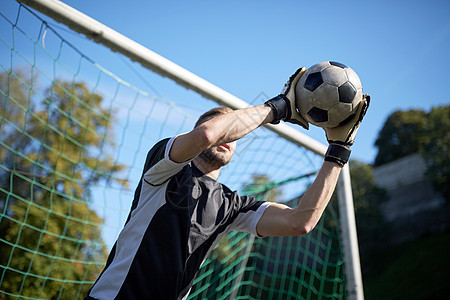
(74, 123)
(261, 185)
(436, 149)
(54, 147)
(54, 248)
(415, 131)
(401, 135)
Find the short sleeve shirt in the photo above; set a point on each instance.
(177, 217)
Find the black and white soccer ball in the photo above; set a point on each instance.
(328, 94)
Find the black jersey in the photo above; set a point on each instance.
(177, 217)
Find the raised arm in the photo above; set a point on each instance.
(280, 220)
(229, 127)
(221, 129)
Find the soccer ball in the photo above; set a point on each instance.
(328, 94)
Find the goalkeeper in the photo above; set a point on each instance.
(180, 211)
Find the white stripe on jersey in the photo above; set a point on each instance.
(130, 237)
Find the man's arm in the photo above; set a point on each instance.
(281, 220)
(221, 129)
(226, 128)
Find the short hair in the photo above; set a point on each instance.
(221, 110)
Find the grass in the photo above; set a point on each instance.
(417, 269)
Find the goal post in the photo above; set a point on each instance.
(117, 42)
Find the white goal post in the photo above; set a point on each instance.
(117, 42)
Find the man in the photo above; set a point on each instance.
(180, 211)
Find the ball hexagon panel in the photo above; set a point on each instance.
(325, 96)
(358, 98)
(339, 113)
(318, 67)
(353, 78)
(334, 75)
(304, 99)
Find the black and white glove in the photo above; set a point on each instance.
(284, 105)
(342, 137)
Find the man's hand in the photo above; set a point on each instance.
(345, 134)
(342, 137)
(284, 105)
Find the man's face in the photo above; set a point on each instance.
(219, 155)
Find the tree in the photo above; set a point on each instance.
(50, 246)
(402, 134)
(55, 148)
(15, 108)
(415, 131)
(262, 186)
(436, 149)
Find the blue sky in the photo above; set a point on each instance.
(398, 48)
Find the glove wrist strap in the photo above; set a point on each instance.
(279, 107)
(338, 153)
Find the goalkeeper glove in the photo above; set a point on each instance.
(284, 105)
(342, 137)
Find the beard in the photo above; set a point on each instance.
(215, 158)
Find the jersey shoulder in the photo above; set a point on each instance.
(155, 154)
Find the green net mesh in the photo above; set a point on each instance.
(73, 139)
(245, 267)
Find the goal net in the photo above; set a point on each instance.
(74, 134)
